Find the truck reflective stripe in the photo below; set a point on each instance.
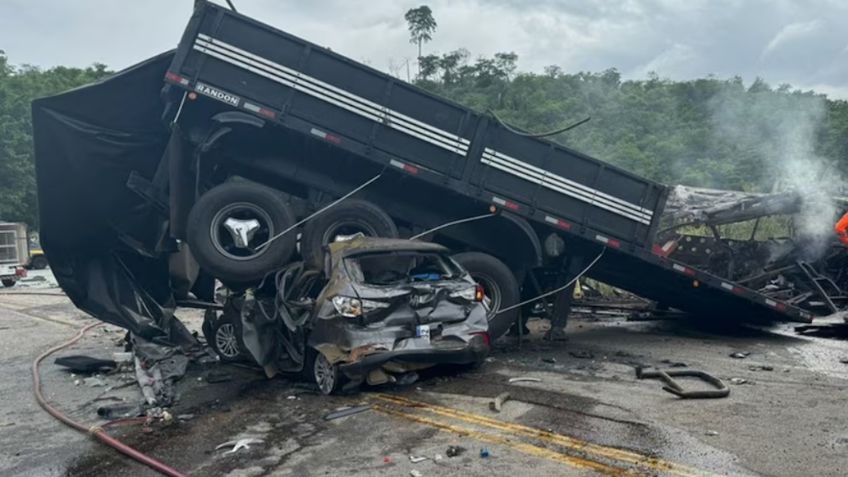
(331, 94)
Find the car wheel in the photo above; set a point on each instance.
(229, 225)
(38, 262)
(499, 285)
(224, 337)
(350, 217)
(325, 375)
(9, 283)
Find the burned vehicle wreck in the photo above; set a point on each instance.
(379, 309)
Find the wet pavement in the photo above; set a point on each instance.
(586, 415)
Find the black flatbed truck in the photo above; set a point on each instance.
(248, 100)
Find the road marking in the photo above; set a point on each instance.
(653, 463)
(530, 449)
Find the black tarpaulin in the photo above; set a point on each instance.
(88, 142)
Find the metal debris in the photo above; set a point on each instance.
(239, 444)
(348, 411)
(524, 379)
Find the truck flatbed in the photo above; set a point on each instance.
(303, 87)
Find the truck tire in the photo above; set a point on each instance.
(8, 283)
(500, 285)
(228, 224)
(347, 218)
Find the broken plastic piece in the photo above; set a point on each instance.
(484, 453)
(417, 458)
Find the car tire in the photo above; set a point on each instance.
(501, 288)
(346, 218)
(38, 262)
(327, 376)
(9, 283)
(213, 242)
(223, 335)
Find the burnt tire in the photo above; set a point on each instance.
(347, 218)
(9, 283)
(215, 245)
(500, 285)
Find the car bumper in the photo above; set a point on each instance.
(474, 351)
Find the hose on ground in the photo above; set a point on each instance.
(96, 431)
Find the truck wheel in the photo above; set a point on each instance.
(8, 283)
(347, 218)
(227, 226)
(39, 262)
(500, 286)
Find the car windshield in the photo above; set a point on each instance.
(395, 268)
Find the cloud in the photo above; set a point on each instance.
(800, 42)
(792, 32)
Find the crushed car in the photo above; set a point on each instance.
(379, 309)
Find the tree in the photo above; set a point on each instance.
(421, 27)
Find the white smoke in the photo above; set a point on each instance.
(780, 131)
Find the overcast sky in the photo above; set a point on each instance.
(803, 43)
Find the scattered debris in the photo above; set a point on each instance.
(711, 433)
(85, 364)
(582, 354)
(122, 357)
(214, 376)
(387, 459)
(454, 451)
(94, 382)
(415, 473)
(438, 458)
(738, 381)
(761, 367)
(417, 458)
(496, 404)
(119, 410)
(239, 444)
(720, 391)
(484, 453)
(524, 379)
(740, 354)
(185, 417)
(347, 411)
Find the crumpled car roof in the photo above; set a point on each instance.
(359, 245)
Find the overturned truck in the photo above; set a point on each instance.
(226, 159)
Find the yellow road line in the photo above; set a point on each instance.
(629, 457)
(530, 449)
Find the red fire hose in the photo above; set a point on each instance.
(97, 431)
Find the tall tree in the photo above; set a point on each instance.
(421, 25)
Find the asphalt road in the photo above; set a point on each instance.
(587, 414)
